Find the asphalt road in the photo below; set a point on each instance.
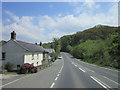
(68, 72)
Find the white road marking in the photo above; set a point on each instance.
(58, 75)
(52, 85)
(60, 69)
(56, 78)
(99, 66)
(14, 81)
(75, 65)
(100, 82)
(90, 70)
(111, 80)
(81, 69)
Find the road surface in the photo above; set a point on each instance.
(68, 72)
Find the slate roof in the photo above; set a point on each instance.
(30, 47)
(50, 50)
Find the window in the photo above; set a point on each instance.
(32, 56)
(37, 56)
(37, 63)
(3, 55)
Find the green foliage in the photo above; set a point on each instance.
(48, 45)
(99, 45)
(95, 33)
(9, 66)
(65, 41)
(69, 48)
(57, 47)
(101, 52)
(3, 42)
(114, 50)
(55, 55)
(89, 49)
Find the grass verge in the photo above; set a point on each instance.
(108, 67)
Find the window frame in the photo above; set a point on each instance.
(3, 55)
(32, 56)
(37, 56)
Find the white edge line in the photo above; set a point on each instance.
(56, 78)
(14, 81)
(81, 69)
(52, 85)
(103, 83)
(98, 82)
(111, 80)
(98, 66)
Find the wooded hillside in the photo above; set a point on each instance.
(99, 45)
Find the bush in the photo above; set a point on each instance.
(34, 70)
(23, 70)
(9, 66)
(27, 68)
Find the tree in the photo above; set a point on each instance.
(65, 41)
(56, 46)
(40, 44)
(69, 48)
(114, 50)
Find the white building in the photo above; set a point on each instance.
(18, 52)
(50, 53)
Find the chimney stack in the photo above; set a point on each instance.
(13, 35)
(35, 43)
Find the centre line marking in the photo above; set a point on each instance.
(81, 69)
(56, 78)
(58, 74)
(52, 85)
(75, 65)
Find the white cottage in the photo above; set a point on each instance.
(18, 52)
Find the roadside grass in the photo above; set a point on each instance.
(112, 68)
(44, 67)
(11, 73)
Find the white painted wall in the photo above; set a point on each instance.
(17, 55)
(0, 56)
(35, 58)
(14, 53)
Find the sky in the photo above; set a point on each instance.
(42, 21)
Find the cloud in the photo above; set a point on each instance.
(91, 4)
(49, 27)
(13, 16)
(24, 27)
(87, 6)
(7, 20)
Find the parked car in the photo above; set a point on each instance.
(60, 57)
(52, 59)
